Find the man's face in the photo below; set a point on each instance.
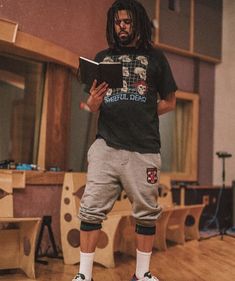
(124, 28)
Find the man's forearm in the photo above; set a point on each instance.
(166, 105)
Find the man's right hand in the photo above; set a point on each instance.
(97, 95)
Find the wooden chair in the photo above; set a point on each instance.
(176, 223)
(161, 227)
(17, 235)
(73, 188)
(176, 229)
(192, 230)
(193, 218)
(6, 196)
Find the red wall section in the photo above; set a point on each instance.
(77, 25)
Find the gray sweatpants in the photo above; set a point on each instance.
(109, 171)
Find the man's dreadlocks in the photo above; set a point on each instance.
(140, 20)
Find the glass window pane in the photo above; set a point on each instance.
(21, 94)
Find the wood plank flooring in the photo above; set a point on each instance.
(208, 260)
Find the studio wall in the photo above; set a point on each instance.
(224, 114)
(76, 25)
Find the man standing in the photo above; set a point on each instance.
(126, 152)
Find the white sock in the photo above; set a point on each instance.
(86, 264)
(142, 263)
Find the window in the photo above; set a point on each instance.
(179, 138)
(21, 94)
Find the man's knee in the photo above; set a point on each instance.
(145, 230)
(86, 226)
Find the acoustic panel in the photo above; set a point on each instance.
(174, 23)
(150, 7)
(208, 27)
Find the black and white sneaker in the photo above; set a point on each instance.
(80, 277)
(147, 277)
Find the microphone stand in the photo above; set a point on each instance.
(222, 227)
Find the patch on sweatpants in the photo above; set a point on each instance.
(151, 175)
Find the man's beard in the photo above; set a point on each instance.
(125, 40)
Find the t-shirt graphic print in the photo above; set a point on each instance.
(134, 79)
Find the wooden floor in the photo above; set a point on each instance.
(208, 260)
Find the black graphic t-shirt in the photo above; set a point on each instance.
(128, 116)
